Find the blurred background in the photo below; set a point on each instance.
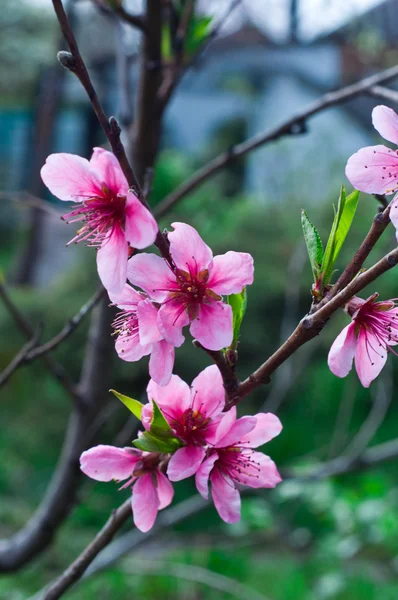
(326, 538)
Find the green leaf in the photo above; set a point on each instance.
(238, 303)
(313, 243)
(150, 443)
(342, 222)
(159, 426)
(133, 405)
(166, 43)
(198, 31)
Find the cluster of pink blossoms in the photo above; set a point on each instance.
(215, 447)
(159, 299)
(374, 327)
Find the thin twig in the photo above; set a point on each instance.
(27, 199)
(20, 358)
(55, 368)
(137, 21)
(291, 126)
(102, 539)
(73, 61)
(68, 329)
(379, 91)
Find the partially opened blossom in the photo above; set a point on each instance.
(194, 415)
(111, 214)
(138, 334)
(151, 489)
(374, 169)
(232, 461)
(366, 340)
(192, 292)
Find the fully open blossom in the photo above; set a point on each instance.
(111, 214)
(374, 169)
(366, 340)
(192, 292)
(194, 415)
(232, 461)
(152, 491)
(138, 334)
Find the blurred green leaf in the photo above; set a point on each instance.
(198, 31)
(313, 243)
(133, 405)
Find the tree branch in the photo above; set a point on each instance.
(291, 126)
(20, 358)
(74, 572)
(381, 92)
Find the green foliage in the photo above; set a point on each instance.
(134, 406)
(342, 222)
(238, 302)
(160, 437)
(314, 245)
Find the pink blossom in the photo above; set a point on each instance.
(138, 334)
(232, 461)
(112, 215)
(374, 169)
(191, 291)
(366, 340)
(152, 491)
(194, 415)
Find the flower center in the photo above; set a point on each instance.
(98, 215)
(192, 291)
(236, 461)
(191, 427)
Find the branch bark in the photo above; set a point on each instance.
(292, 126)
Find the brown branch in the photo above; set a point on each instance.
(137, 21)
(20, 358)
(230, 381)
(68, 329)
(55, 368)
(73, 61)
(311, 325)
(74, 572)
(380, 223)
(291, 126)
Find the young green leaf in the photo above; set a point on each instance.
(198, 31)
(159, 426)
(238, 302)
(151, 443)
(133, 405)
(342, 222)
(313, 243)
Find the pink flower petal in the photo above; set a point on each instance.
(385, 121)
(161, 362)
(370, 358)
(185, 462)
(140, 227)
(70, 177)
(225, 425)
(213, 326)
(374, 170)
(104, 463)
(342, 352)
(112, 260)
(145, 503)
(151, 273)
(208, 393)
(165, 490)
(203, 474)
(147, 315)
(231, 273)
(109, 171)
(236, 433)
(172, 317)
(129, 348)
(226, 497)
(127, 299)
(267, 427)
(174, 398)
(258, 470)
(188, 250)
